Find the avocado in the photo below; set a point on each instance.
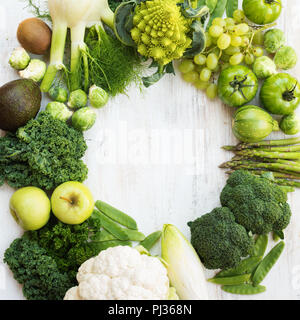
(20, 101)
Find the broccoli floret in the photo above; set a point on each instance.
(219, 241)
(256, 202)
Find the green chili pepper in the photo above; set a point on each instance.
(267, 263)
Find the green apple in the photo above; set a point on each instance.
(72, 202)
(30, 207)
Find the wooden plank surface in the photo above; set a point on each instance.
(155, 154)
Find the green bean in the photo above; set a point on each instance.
(150, 240)
(218, 12)
(267, 263)
(260, 246)
(231, 6)
(244, 289)
(116, 215)
(134, 235)
(112, 227)
(247, 265)
(231, 280)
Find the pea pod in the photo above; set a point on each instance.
(267, 263)
(245, 289)
(104, 235)
(260, 246)
(116, 215)
(134, 235)
(218, 12)
(247, 265)
(231, 6)
(231, 280)
(151, 239)
(112, 227)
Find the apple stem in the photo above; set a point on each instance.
(66, 199)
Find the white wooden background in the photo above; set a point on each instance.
(155, 154)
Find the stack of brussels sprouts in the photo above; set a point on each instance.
(253, 51)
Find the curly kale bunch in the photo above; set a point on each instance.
(36, 271)
(44, 153)
(46, 261)
(256, 202)
(219, 240)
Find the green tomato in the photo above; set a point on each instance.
(262, 11)
(237, 85)
(83, 119)
(285, 58)
(280, 94)
(290, 124)
(252, 124)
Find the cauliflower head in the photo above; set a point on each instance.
(160, 30)
(121, 273)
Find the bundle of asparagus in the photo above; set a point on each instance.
(281, 157)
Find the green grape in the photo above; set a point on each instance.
(236, 59)
(245, 42)
(186, 66)
(239, 16)
(215, 31)
(200, 59)
(232, 50)
(241, 29)
(191, 76)
(258, 38)
(198, 68)
(224, 41)
(229, 22)
(225, 65)
(258, 51)
(216, 51)
(212, 61)
(201, 85)
(211, 91)
(219, 22)
(208, 40)
(236, 41)
(205, 74)
(249, 58)
(225, 57)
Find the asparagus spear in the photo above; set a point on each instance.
(269, 154)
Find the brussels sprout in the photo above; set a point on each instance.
(78, 99)
(290, 124)
(83, 119)
(34, 71)
(98, 97)
(285, 58)
(19, 59)
(273, 40)
(264, 67)
(58, 110)
(58, 94)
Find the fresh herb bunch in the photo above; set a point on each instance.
(44, 153)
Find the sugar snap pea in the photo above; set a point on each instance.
(218, 12)
(104, 235)
(231, 6)
(231, 280)
(260, 246)
(244, 289)
(116, 215)
(247, 265)
(150, 240)
(267, 263)
(134, 235)
(112, 227)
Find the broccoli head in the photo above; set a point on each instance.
(257, 203)
(219, 241)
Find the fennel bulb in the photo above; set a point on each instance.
(76, 15)
(184, 267)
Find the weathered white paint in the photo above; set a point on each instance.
(155, 155)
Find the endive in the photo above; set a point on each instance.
(76, 15)
(184, 267)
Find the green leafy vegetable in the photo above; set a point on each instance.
(44, 153)
(219, 11)
(231, 6)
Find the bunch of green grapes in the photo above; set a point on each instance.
(229, 41)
